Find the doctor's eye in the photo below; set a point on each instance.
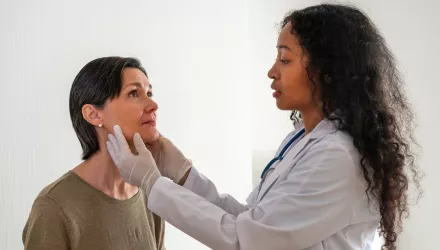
(284, 61)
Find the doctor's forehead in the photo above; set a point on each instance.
(288, 42)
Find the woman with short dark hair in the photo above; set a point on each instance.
(91, 206)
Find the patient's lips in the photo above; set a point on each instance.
(150, 121)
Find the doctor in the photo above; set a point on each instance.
(334, 181)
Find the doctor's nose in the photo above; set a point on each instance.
(273, 72)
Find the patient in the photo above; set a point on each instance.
(91, 207)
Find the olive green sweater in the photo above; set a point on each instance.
(72, 214)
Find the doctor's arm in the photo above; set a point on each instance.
(163, 158)
(173, 164)
(310, 205)
(204, 187)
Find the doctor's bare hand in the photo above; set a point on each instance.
(139, 170)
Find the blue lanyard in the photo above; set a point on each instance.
(280, 155)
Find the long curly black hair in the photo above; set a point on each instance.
(358, 77)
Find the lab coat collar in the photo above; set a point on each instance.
(324, 127)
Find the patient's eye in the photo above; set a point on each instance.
(133, 93)
(150, 94)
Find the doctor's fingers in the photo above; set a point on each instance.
(120, 140)
(139, 144)
(156, 149)
(112, 151)
(113, 143)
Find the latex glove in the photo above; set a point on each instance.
(169, 159)
(139, 170)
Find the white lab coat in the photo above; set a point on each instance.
(313, 199)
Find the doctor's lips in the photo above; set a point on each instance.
(276, 94)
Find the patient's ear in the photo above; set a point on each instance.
(92, 115)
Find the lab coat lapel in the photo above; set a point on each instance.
(282, 165)
(288, 137)
(323, 128)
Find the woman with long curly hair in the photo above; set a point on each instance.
(340, 176)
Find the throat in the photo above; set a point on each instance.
(102, 174)
(311, 119)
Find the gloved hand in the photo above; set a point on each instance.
(169, 159)
(139, 170)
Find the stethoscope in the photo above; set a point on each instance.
(280, 155)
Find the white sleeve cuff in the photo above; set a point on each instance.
(192, 178)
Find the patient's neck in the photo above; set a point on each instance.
(100, 172)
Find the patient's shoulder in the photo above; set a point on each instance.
(46, 223)
(66, 191)
(60, 187)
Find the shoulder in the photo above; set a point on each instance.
(340, 143)
(61, 189)
(50, 202)
(50, 197)
(55, 186)
(44, 205)
(334, 160)
(45, 219)
(333, 154)
(327, 137)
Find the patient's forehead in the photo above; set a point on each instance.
(133, 76)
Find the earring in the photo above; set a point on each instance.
(100, 125)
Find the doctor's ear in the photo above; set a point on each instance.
(92, 115)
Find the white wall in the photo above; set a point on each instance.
(208, 62)
(194, 51)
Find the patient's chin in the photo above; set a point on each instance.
(150, 136)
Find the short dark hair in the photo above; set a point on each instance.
(97, 82)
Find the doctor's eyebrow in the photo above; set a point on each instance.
(283, 47)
